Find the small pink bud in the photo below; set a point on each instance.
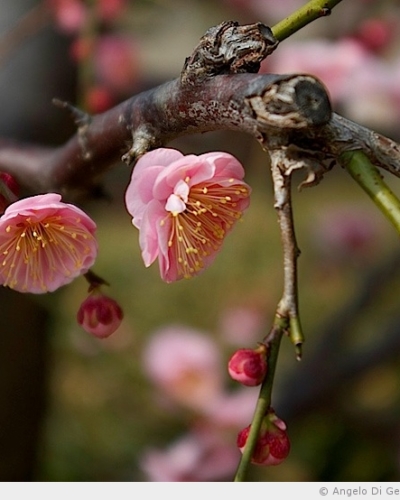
(249, 366)
(100, 315)
(272, 445)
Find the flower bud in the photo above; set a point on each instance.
(249, 366)
(272, 445)
(100, 315)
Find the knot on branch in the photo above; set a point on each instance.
(229, 48)
(292, 102)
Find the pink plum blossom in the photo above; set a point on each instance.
(117, 62)
(234, 409)
(241, 324)
(185, 364)
(335, 63)
(108, 10)
(70, 15)
(201, 455)
(100, 315)
(44, 244)
(184, 206)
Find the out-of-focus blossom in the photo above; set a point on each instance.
(81, 48)
(249, 366)
(44, 244)
(375, 34)
(98, 99)
(273, 444)
(108, 10)
(372, 99)
(269, 11)
(70, 15)
(333, 62)
(233, 410)
(364, 85)
(185, 364)
(347, 233)
(241, 325)
(184, 206)
(100, 315)
(117, 62)
(203, 456)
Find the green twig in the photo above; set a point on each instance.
(371, 181)
(312, 10)
(287, 319)
(264, 399)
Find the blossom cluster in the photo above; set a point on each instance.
(113, 58)
(184, 364)
(183, 206)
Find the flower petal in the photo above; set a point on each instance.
(149, 231)
(44, 244)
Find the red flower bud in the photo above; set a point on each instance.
(272, 445)
(100, 315)
(249, 366)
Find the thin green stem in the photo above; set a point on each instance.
(312, 10)
(288, 321)
(371, 181)
(264, 399)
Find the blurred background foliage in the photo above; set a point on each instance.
(94, 411)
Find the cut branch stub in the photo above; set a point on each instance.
(298, 101)
(229, 48)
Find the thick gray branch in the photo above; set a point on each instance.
(260, 105)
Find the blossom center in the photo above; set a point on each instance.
(36, 252)
(201, 216)
(176, 202)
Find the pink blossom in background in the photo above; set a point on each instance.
(100, 315)
(376, 34)
(116, 61)
(44, 244)
(108, 10)
(233, 410)
(334, 62)
(98, 99)
(343, 232)
(267, 11)
(197, 456)
(184, 206)
(185, 364)
(241, 325)
(70, 15)
(365, 85)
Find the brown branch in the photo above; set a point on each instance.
(255, 104)
(290, 113)
(288, 305)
